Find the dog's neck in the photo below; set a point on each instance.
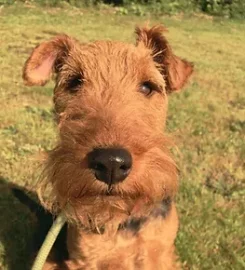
(80, 235)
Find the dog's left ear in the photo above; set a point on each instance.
(175, 70)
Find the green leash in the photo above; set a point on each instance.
(48, 242)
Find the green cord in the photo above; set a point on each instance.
(48, 242)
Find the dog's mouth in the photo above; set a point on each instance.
(109, 190)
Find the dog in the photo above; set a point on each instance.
(111, 171)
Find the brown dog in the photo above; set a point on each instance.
(111, 166)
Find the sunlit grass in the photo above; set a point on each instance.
(207, 119)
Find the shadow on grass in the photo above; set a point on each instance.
(17, 226)
(24, 223)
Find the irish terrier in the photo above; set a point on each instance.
(111, 169)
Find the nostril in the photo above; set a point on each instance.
(98, 167)
(124, 167)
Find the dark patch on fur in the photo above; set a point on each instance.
(134, 224)
(163, 209)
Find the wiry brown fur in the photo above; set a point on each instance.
(108, 110)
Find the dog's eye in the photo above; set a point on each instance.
(74, 83)
(147, 88)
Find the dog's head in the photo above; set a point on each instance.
(110, 101)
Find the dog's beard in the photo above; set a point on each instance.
(152, 178)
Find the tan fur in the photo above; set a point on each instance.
(127, 251)
(108, 110)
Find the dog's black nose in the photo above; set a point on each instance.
(110, 165)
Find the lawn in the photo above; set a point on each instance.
(207, 120)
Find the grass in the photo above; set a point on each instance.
(207, 119)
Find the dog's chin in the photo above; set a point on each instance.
(96, 189)
(104, 196)
(99, 209)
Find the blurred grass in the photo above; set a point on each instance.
(207, 119)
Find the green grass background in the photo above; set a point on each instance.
(207, 120)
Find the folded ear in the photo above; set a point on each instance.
(46, 58)
(175, 70)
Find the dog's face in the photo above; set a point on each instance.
(110, 100)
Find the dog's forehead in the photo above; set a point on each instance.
(110, 54)
(114, 48)
(114, 60)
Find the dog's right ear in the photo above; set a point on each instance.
(46, 58)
